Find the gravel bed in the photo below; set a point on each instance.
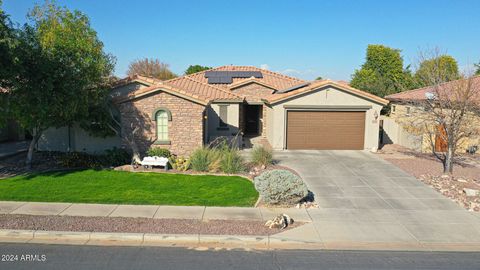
(136, 225)
(454, 188)
(418, 164)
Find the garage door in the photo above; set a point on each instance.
(325, 130)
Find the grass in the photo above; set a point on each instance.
(117, 187)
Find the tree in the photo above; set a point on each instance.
(61, 63)
(445, 65)
(195, 68)
(319, 78)
(382, 73)
(8, 42)
(151, 68)
(448, 111)
(477, 72)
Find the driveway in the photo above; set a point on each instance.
(364, 198)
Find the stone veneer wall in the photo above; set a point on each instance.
(185, 131)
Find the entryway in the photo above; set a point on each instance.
(252, 124)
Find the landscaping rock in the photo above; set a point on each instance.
(465, 192)
(471, 192)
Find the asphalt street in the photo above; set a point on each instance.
(36, 256)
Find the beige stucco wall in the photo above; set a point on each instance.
(325, 96)
(213, 114)
(406, 114)
(57, 139)
(393, 133)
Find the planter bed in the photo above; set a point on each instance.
(137, 225)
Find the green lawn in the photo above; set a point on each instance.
(106, 186)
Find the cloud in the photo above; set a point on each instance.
(265, 66)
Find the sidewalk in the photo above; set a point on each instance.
(351, 229)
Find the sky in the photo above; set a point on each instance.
(301, 38)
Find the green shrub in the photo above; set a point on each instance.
(261, 156)
(280, 187)
(231, 161)
(205, 160)
(199, 159)
(116, 157)
(79, 160)
(179, 163)
(159, 152)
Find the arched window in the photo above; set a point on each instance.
(162, 116)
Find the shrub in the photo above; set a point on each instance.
(199, 159)
(79, 160)
(261, 156)
(116, 157)
(179, 163)
(280, 187)
(205, 160)
(232, 161)
(159, 152)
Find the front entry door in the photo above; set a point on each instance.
(252, 116)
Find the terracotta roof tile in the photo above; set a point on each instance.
(420, 93)
(196, 86)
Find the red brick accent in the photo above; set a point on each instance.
(253, 91)
(264, 121)
(185, 131)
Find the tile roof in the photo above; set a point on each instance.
(138, 78)
(196, 87)
(273, 79)
(444, 88)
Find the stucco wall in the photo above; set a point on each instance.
(324, 96)
(213, 114)
(57, 139)
(393, 133)
(406, 114)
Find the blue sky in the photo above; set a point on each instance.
(299, 38)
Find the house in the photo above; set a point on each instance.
(242, 102)
(407, 107)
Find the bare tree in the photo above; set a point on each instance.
(446, 112)
(151, 68)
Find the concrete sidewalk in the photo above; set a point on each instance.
(324, 228)
(150, 211)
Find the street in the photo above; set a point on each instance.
(35, 256)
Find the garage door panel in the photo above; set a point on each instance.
(325, 130)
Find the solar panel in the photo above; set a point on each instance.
(227, 76)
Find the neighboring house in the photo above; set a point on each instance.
(187, 112)
(405, 108)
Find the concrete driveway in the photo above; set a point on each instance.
(364, 198)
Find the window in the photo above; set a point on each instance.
(393, 108)
(222, 120)
(161, 117)
(408, 110)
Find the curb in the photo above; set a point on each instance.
(213, 241)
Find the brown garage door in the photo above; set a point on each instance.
(325, 130)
